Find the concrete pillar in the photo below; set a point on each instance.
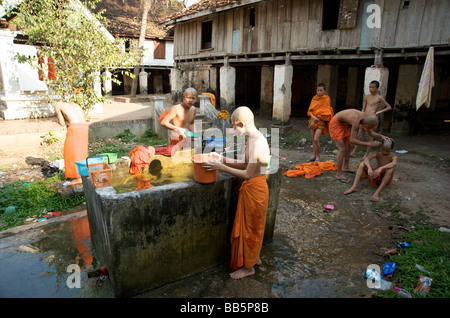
(213, 80)
(176, 84)
(8, 66)
(266, 102)
(157, 104)
(380, 74)
(328, 75)
(227, 88)
(143, 82)
(107, 82)
(404, 108)
(282, 95)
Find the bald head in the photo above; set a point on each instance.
(244, 114)
(371, 121)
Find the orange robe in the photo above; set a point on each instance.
(249, 223)
(310, 169)
(321, 108)
(377, 180)
(339, 130)
(75, 148)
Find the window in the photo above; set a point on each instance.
(252, 17)
(330, 17)
(159, 50)
(206, 35)
(405, 4)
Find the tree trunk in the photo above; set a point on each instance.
(137, 69)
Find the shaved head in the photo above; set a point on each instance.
(244, 114)
(371, 120)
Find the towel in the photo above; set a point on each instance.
(426, 81)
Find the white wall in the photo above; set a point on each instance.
(151, 61)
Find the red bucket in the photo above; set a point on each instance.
(201, 175)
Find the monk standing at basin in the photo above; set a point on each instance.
(77, 138)
(180, 118)
(250, 219)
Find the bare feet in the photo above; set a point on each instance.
(242, 272)
(311, 159)
(352, 189)
(259, 262)
(352, 155)
(375, 198)
(74, 182)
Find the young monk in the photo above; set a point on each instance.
(250, 219)
(371, 103)
(319, 113)
(382, 176)
(343, 136)
(180, 118)
(77, 138)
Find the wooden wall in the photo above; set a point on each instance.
(295, 25)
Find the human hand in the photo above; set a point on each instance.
(181, 131)
(374, 143)
(217, 156)
(212, 164)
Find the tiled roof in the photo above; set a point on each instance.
(201, 6)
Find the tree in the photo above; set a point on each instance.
(74, 38)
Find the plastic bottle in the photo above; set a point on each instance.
(421, 268)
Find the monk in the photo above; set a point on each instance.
(320, 114)
(382, 176)
(343, 136)
(250, 219)
(77, 138)
(180, 118)
(372, 102)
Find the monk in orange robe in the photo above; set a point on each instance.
(343, 136)
(180, 118)
(77, 138)
(250, 219)
(319, 113)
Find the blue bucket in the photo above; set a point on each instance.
(81, 165)
(216, 142)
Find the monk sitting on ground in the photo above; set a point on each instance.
(342, 135)
(77, 138)
(250, 219)
(382, 176)
(180, 118)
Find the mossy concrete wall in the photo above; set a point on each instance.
(158, 235)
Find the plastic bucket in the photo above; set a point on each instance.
(201, 175)
(108, 157)
(81, 165)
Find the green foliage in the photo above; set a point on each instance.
(50, 137)
(430, 249)
(32, 200)
(74, 37)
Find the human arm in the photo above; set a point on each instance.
(354, 138)
(166, 122)
(389, 165)
(59, 114)
(387, 108)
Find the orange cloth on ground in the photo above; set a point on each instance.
(139, 159)
(377, 180)
(311, 169)
(75, 148)
(339, 131)
(321, 108)
(249, 223)
(212, 98)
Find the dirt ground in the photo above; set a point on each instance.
(318, 252)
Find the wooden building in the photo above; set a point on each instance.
(271, 54)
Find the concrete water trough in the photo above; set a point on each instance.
(161, 234)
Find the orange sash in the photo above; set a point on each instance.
(321, 108)
(377, 180)
(75, 148)
(310, 169)
(249, 223)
